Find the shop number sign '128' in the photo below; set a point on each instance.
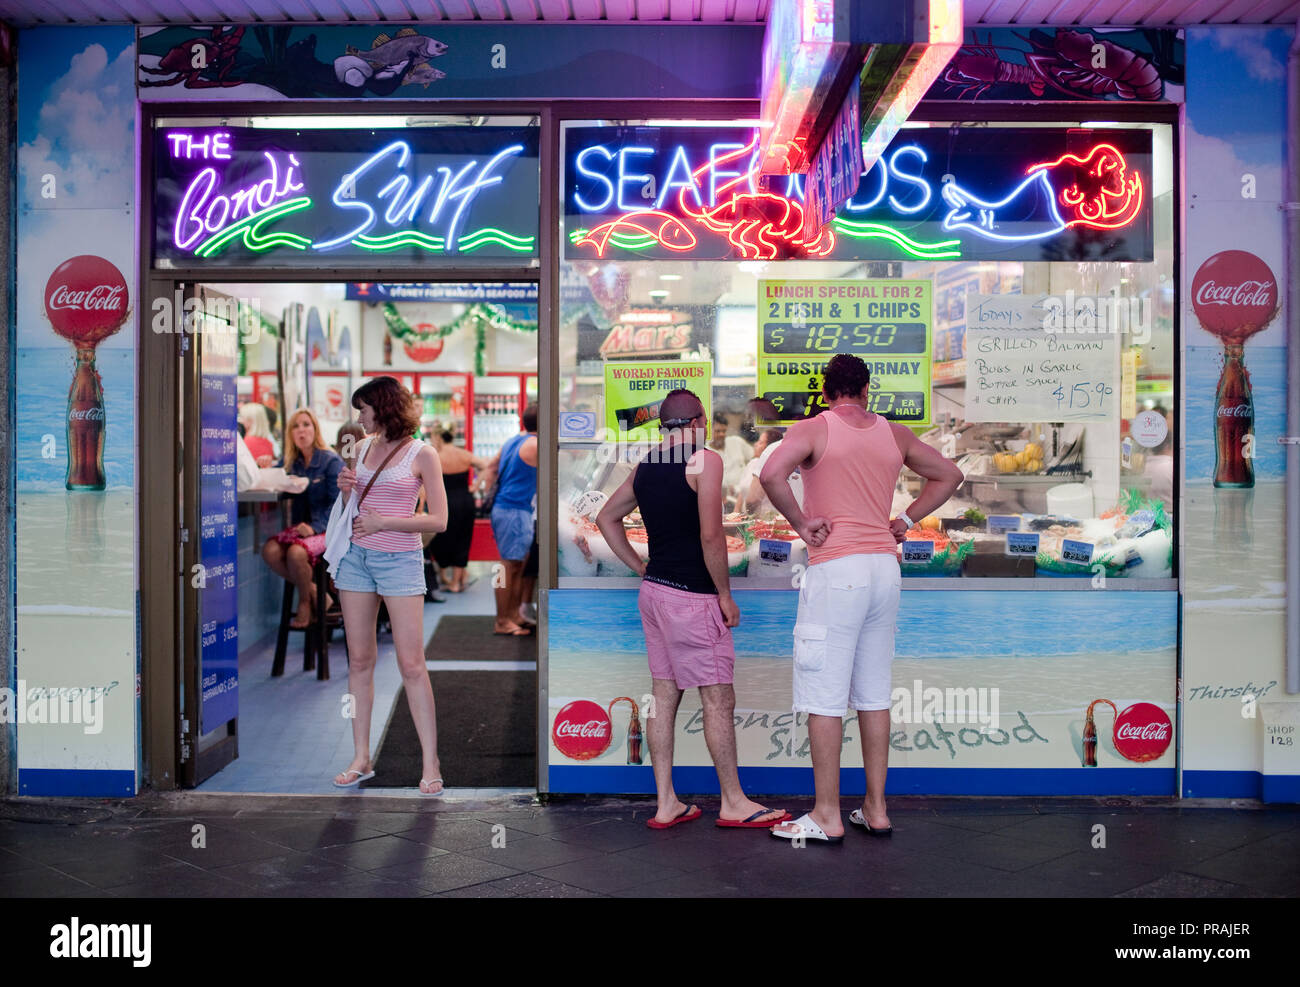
(888, 323)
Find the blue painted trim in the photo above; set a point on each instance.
(1220, 784)
(59, 781)
(1280, 788)
(634, 780)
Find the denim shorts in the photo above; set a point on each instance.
(367, 570)
(513, 528)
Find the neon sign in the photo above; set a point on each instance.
(934, 194)
(448, 190)
(1110, 199)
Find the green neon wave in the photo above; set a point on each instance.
(468, 242)
(479, 238)
(940, 250)
(250, 229)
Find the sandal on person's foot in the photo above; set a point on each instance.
(686, 815)
(807, 828)
(354, 782)
(856, 818)
(430, 782)
(755, 821)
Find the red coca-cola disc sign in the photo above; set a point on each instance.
(1143, 732)
(582, 730)
(86, 299)
(1234, 295)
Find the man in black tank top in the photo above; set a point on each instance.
(686, 607)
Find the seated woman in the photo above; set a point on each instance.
(450, 548)
(257, 433)
(293, 552)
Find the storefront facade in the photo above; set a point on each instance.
(1089, 448)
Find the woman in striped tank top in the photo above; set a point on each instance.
(385, 559)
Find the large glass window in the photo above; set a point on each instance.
(1048, 306)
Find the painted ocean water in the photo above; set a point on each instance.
(931, 624)
(44, 375)
(1267, 368)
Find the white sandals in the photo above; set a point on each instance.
(807, 829)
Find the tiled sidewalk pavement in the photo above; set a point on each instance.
(507, 846)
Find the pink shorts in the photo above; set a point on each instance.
(685, 636)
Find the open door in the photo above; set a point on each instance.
(209, 623)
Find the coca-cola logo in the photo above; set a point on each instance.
(86, 300)
(86, 415)
(1236, 411)
(582, 730)
(1258, 294)
(101, 297)
(1234, 295)
(1143, 732)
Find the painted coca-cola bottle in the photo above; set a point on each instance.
(1234, 422)
(1089, 741)
(1234, 296)
(85, 426)
(86, 302)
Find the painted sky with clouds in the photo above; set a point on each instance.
(76, 121)
(1236, 126)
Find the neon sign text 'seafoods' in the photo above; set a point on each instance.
(383, 203)
(929, 196)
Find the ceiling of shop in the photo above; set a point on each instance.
(30, 13)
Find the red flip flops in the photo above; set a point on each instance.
(753, 822)
(686, 815)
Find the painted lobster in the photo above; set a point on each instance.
(1072, 62)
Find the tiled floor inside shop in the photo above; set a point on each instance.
(293, 738)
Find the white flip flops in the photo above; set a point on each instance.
(808, 830)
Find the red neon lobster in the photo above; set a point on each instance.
(760, 225)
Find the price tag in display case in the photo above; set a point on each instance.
(998, 524)
(919, 551)
(773, 556)
(1076, 552)
(1022, 543)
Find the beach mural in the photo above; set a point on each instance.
(74, 400)
(1234, 337)
(1028, 670)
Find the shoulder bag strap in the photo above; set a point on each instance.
(375, 476)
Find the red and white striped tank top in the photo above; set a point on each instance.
(394, 495)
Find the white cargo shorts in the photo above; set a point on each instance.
(844, 634)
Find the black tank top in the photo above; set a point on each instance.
(671, 511)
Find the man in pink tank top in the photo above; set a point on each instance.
(849, 459)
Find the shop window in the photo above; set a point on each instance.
(1063, 424)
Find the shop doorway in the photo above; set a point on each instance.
(262, 685)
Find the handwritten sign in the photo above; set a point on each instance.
(1040, 358)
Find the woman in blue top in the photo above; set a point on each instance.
(293, 552)
(513, 523)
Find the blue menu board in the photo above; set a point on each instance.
(218, 543)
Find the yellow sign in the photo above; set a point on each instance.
(888, 323)
(634, 391)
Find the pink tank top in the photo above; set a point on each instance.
(394, 495)
(852, 485)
